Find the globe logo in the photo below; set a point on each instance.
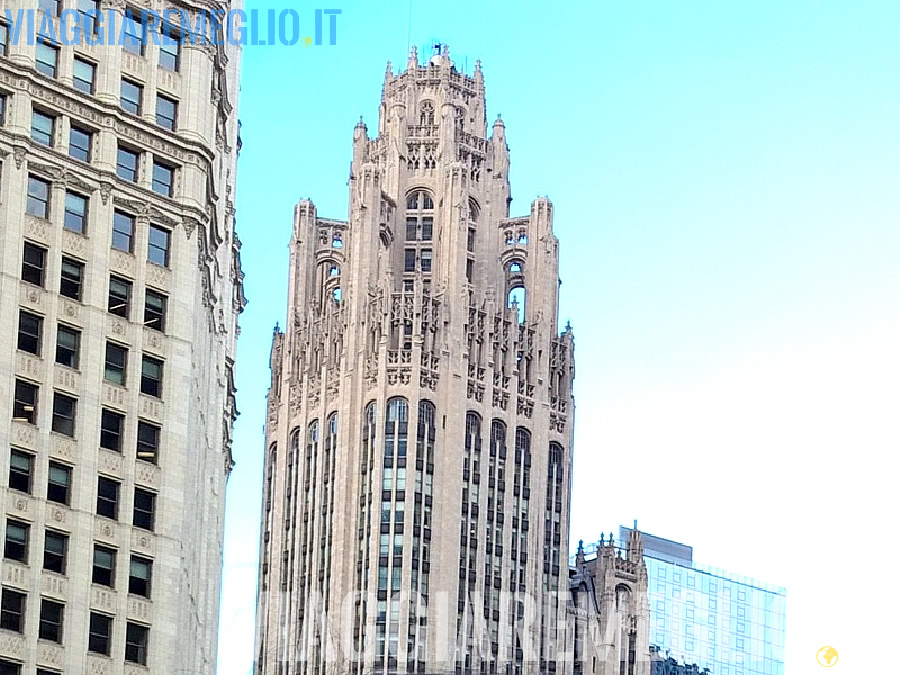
(307, 41)
(827, 657)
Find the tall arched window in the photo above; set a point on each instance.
(426, 114)
(419, 216)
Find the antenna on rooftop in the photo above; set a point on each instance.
(408, 27)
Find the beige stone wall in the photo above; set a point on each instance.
(441, 336)
(202, 284)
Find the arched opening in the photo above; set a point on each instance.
(515, 299)
(426, 114)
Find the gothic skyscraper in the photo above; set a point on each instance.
(419, 429)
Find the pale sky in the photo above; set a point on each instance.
(725, 179)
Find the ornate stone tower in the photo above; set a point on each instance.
(419, 433)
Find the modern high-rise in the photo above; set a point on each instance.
(419, 429)
(120, 289)
(703, 616)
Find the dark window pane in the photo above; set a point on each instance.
(104, 570)
(100, 631)
(71, 278)
(170, 49)
(133, 32)
(139, 576)
(107, 498)
(56, 546)
(151, 376)
(119, 296)
(59, 481)
(112, 425)
(136, 643)
(427, 227)
(31, 330)
(25, 402)
(148, 442)
(144, 509)
(12, 611)
(34, 262)
(21, 467)
(409, 260)
(155, 311)
(51, 623)
(16, 545)
(64, 414)
(116, 363)
(68, 346)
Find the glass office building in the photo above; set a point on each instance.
(729, 624)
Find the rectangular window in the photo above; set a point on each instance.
(136, 637)
(38, 202)
(409, 260)
(71, 278)
(80, 144)
(151, 376)
(76, 212)
(112, 425)
(119, 297)
(158, 245)
(427, 227)
(116, 363)
(412, 226)
(34, 262)
(99, 635)
(46, 59)
(68, 346)
(139, 576)
(426, 259)
(133, 32)
(89, 11)
(131, 96)
(59, 483)
(170, 49)
(144, 509)
(166, 112)
(83, 75)
(25, 402)
(148, 442)
(163, 176)
(123, 232)
(12, 611)
(16, 545)
(104, 570)
(64, 408)
(126, 164)
(21, 469)
(56, 547)
(4, 39)
(51, 7)
(155, 310)
(31, 329)
(107, 498)
(2, 96)
(51, 623)
(42, 127)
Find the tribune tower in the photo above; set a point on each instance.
(419, 429)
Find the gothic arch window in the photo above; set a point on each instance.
(334, 270)
(623, 597)
(337, 241)
(419, 216)
(473, 430)
(498, 438)
(474, 210)
(515, 299)
(426, 114)
(459, 119)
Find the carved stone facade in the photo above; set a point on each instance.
(609, 612)
(419, 427)
(125, 452)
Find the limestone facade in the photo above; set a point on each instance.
(419, 427)
(120, 287)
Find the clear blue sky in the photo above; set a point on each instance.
(726, 180)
